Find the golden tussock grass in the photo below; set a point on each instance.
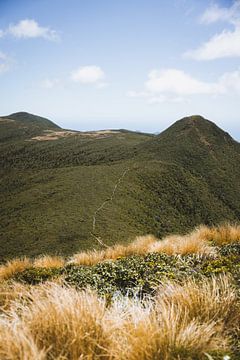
(87, 258)
(48, 261)
(10, 292)
(211, 300)
(61, 322)
(17, 343)
(182, 245)
(182, 322)
(200, 241)
(220, 235)
(13, 266)
(138, 246)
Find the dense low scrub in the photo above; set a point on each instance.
(140, 274)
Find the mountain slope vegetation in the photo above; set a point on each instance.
(63, 191)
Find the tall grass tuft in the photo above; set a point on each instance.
(69, 323)
(138, 246)
(14, 266)
(17, 343)
(47, 261)
(182, 245)
(200, 241)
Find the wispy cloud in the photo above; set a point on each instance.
(216, 13)
(174, 85)
(29, 29)
(224, 44)
(4, 63)
(90, 74)
(49, 83)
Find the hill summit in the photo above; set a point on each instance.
(30, 119)
(22, 125)
(198, 127)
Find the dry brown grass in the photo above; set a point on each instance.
(138, 246)
(220, 235)
(48, 261)
(10, 292)
(200, 241)
(182, 322)
(170, 337)
(16, 343)
(185, 322)
(183, 245)
(211, 300)
(14, 266)
(68, 322)
(57, 323)
(87, 258)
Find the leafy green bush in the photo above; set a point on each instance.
(35, 276)
(140, 274)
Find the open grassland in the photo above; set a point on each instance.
(175, 298)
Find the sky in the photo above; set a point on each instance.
(134, 64)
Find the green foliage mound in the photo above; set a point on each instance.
(141, 274)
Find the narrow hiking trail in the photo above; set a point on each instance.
(106, 201)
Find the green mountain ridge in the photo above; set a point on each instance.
(23, 125)
(59, 196)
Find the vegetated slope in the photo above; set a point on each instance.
(208, 157)
(23, 125)
(63, 194)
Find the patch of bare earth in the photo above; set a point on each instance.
(4, 120)
(50, 135)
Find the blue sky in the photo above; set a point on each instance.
(136, 64)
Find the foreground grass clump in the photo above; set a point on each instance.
(183, 321)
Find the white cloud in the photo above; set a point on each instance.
(29, 28)
(1, 33)
(177, 82)
(216, 13)
(174, 85)
(224, 44)
(4, 63)
(49, 83)
(88, 74)
(230, 81)
(102, 85)
(137, 94)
